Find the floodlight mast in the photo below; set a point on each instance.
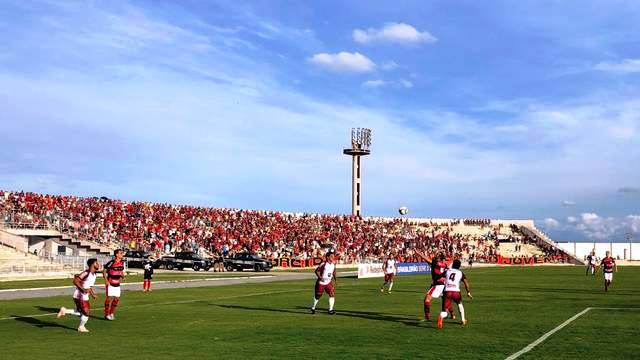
(360, 143)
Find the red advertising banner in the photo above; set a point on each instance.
(533, 260)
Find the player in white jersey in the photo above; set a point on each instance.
(452, 292)
(84, 288)
(326, 274)
(390, 269)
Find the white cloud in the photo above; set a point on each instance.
(343, 62)
(625, 66)
(551, 222)
(572, 219)
(590, 217)
(373, 83)
(393, 33)
(389, 65)
(406, 83)
(568, 203)
(595, 227)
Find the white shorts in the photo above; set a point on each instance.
(113, 291)
(608, 276)
(436, 291)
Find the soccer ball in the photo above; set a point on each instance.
(403, 210)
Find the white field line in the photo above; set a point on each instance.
(155, 282)
(177, 302)
(530, 347)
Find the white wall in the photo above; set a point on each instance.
(622, 250)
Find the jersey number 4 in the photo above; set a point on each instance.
(452, 277)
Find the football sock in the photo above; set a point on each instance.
(390, 286)
(107, 307)
(72, 312)
(461, 309)
(427, 309)
(83, 320)
(444, 314)
(114, 305)
(331, 302)
(315, 302)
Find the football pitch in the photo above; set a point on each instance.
(512, 309)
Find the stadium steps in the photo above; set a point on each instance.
(89, 246)
(14, 263)
(509, 250)
(541, 238)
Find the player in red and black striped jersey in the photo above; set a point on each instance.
(438, 273)
(608, 267)
(113, 274)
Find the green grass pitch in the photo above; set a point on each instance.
(512, 307)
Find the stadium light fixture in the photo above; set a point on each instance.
(360, 146)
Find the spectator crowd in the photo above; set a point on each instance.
(164, 228)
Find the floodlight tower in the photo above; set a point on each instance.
(360, 143)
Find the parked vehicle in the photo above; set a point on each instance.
(245, 261)
(135, 259)
(184, 260)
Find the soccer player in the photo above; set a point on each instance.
(326, 281)
(84, 288)
(591, 263)
(438, 269)
(113, 274)
(608, 266)
(148, 275)
(452, 292)
(390, 269)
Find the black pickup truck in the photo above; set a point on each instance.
(184, 260)
(135, 259)
(245, 261)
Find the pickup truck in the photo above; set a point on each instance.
(246, 261)
(184, 260)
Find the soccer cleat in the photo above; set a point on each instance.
(332, 312)
(453, 316)
(109, 317)
(439, 324)
(61, 313)
(381, 290)
(83, 329)
(313, 311)
(463, 322)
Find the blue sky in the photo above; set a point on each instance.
(500, 109)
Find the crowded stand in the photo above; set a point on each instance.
(164, 228)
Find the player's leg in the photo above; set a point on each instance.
(332, 299)
(427, 301)
(84, 307)
(588, 268)
(114, 303)
(446, 303)
(317, 294)
(390, 285)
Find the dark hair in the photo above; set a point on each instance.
(91, 261)
(116, 251)
(456, 264)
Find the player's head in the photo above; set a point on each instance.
(441, 256)
(93, 264)
(118, 253)
(456, 264)
(391, 256)
(608, 253)
(331, 256)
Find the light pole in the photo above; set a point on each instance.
(360, 143)
(630, 238)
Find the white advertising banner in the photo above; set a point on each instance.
(370, 271)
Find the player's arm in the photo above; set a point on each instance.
(104, 272)
(77, 282)
(467, 287)
(335, 279)
(319, 271)
(421, 254)
(93, 295)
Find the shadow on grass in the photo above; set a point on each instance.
(55, 310)
(347, 313)
(40, 323)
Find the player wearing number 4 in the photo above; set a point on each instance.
(390, 269)
(452, 292)
(326, 274)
